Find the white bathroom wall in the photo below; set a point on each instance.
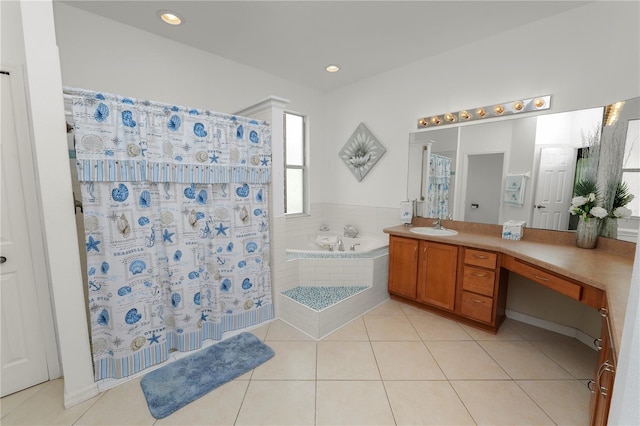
(574, 56)
(104, 55)
(520, 161)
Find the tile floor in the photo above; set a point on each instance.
(394, 365)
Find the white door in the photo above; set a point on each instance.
(24, 361)
(484, 190)
(554, 189)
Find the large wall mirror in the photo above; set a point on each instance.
(525, 168)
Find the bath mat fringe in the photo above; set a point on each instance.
(175, 385)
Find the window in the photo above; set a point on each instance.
(295, 168)
(631, 165)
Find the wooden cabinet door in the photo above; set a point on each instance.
(602, 386)
(403, 266)
(437, 267)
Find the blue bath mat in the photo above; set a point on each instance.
(175, 385)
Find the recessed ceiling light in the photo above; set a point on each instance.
(169, 17)
(332, 68)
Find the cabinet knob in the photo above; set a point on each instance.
(603, 312)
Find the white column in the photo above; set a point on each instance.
(46, 106)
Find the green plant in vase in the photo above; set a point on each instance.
(621, 198)
(585, 205)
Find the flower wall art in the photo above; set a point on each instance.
(361, 152)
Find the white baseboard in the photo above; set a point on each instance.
(552, 326)
(82, 395)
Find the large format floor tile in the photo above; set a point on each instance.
(390, 328)
(426, 403)
(281, 331)
(353, 331)
(499, 403)
(396, 364)
(465, 361)
(46, 407)
(433, 327)
(352, 403)
(521, 360)
(278, 403)
(346, 361)
(565, 401)
(127, 400)
(572, 355)
(406, 361)
(293, 361)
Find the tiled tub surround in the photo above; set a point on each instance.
(334, 269)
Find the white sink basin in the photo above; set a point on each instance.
(429, 230)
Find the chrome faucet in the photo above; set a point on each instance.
(340, 245)
(437, 224)
(353, 246)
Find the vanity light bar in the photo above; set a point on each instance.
(498, 110)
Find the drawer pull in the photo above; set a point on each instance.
(480, 256)
(597, 343)
(478, 301)
(475, 274)
(541, 278)
(606, 366)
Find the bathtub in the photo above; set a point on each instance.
(313, 246)
(355, 281)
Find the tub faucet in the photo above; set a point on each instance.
(437, 224)
(340, 245)
(353, 246)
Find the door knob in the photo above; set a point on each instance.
(540, 206)
(3, 259)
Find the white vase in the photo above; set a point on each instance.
(609, 227)
(587, 233)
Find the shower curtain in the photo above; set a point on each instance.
(438, 186)
(176, 226)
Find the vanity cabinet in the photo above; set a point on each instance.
(459, 282)
(437, 269)
(403, 266)
(481, 298)
(601, 386)
(423, 271)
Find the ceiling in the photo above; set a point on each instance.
(296, 40)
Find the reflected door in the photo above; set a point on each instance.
(555, 188)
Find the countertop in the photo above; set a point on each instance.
(607, 267)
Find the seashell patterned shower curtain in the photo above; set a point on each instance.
(438, 186)
(176, 226)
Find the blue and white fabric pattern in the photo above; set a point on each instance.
(438, 186)
(176, 227)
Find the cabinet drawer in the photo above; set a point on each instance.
(484, 259)
(547, 279)
(478, 280)
(476, 307)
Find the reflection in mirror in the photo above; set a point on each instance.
(548, 153)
